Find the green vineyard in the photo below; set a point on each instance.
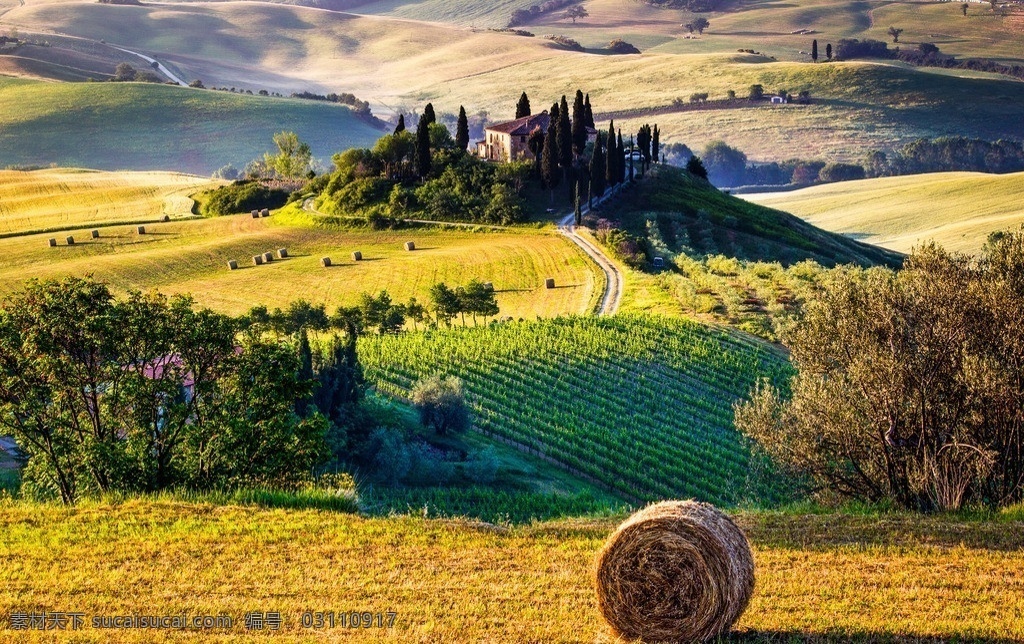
(640, 405)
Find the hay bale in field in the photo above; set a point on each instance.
(232, 265)
(549, 282)
(357, 256)
(257, 260)
(95, 234)
(325, 262)
(70, 240)
(282, 253)
(255, 214)
(677, 571)
(410, 245)
(165, 218)
(268, 257)
(141, 230)
(51, 242)
(265, 212)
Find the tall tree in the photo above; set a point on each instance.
(462, 130)
(579, 124)
(895, 33)
(620, 154)
(814, 50)
(631, 150)
(564, 136)
(656, 144)
(428, 112)
(828, 51)
(611, 172)
(577, 212)
(963, 8)
(523, 106)
(423, 160)
(536, 143)
(549, 160)
(588, 112)
(401, 124)
(597, 169)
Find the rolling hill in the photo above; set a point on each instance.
(957, 210)
(141, 126)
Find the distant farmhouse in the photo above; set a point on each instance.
(511, 141)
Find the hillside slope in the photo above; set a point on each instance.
(642, 405)
(137, 126)
(957, 210)
(688, 215)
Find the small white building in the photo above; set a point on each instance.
(778, 100)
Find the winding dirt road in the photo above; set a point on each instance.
(613, 276)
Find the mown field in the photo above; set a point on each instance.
(191, 257)
(831, 577)
(58, 199)
(957, 210)
(119, 126)
(641, 405)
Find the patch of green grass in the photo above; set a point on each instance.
(957, 210)
(117, 126)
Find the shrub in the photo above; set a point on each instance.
(840, 172)
(242, 196)
(622, 47)
(441, 403)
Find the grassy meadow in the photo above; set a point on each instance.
(119, 126)
(831, 577)
(57, 199)
(957, 210)
(191, 257)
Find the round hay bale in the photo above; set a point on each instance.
(265, 212)
(549, 282)
(51, 242)
(282, 253)
(70, 240)
(357, 256)
(255, 214)
(95, 234)
(410, 245)
(268, 257)
(165, 218)
(678, 571)
(232, 265)
(141, 230)
(325, 262)
(257, 260)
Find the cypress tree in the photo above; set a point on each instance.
(564, 136)
(656, 145)
(462, 130)
(611, 172)
(549, 161)
(631, 159)
(428, 111)
(577, 209)
(554, 113)
(579, 124)
(620, 159)
(828, 51)
(401, 124)
(597, 169)
(814, 50)
(305, 372)
(587, 112)
(423, 147)
(523, 106)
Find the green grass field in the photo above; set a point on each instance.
(641, 405)
(820, 578)
(117, 126)
(54, 200)
(191, 257)
(957, 210)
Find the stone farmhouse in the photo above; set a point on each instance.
(511, 141)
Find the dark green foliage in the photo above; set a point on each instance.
(597, 170)
(579, 124)
(441, 404)
(536, 143)
(242, 196)
(549, 159)
(814, 50)
(620, 159)
(828, 51)
(564, 136)
(588, 113)
(756, 92)
(462, 131)
(423, 158)
(696, 167)
(726, 165)
(401, 124)
(622, 47)
(444, 303)
(840, 172)
(147, 393)
(523, 106)
(656, 144)
(380, 314)
(949, 154)
(428, 113)
(611, 172)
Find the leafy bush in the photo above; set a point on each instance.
(242, 196)
(622, 47)
(840, 172)
(441, 403)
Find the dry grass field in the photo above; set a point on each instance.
(831, 577)
(191, 257)
(56, 199)
(957, 210)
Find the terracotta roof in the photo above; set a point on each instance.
(522, 126)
